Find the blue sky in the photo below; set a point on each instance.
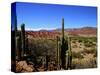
(37, 16)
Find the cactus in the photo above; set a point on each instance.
(26, 46)
(16, 38)
(69, 54)
(18, 47)
(63, 48)
(15, 26)
(58, 53)
(23, 39)
(47, 62)
(66, 49)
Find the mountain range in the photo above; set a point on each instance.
(84, 32)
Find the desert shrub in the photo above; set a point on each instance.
(39, 49)
(77, 55)
(95, 54)
(84, 63)
(94, 43)
(73, 41)
(86, 41)
(94, 39)
(92, 51)
(88, 44)
(79, 40)
(42, 47)
(75, 46)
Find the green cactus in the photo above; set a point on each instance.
(58, 52)
(26, 46)
(23, 39)
(16, 38)
(63, 30)
(47, 60)
(64, 47)
(69, 54)
(18, 47)
(15, 26)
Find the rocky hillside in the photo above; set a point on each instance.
(85, 32)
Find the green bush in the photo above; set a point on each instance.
(92, 51)
(42, 47)
(77, 55)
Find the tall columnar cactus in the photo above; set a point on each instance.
(58, 52)
(47, 60)
(63, 48)
(23, 39)
(63, 30)
(18, 47)
(15, 28)
(16, 39)
(15, 35)
(69, 54)
(26, 46)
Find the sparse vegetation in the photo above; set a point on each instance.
(41, 54)
(84, 63)
(77, 55)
